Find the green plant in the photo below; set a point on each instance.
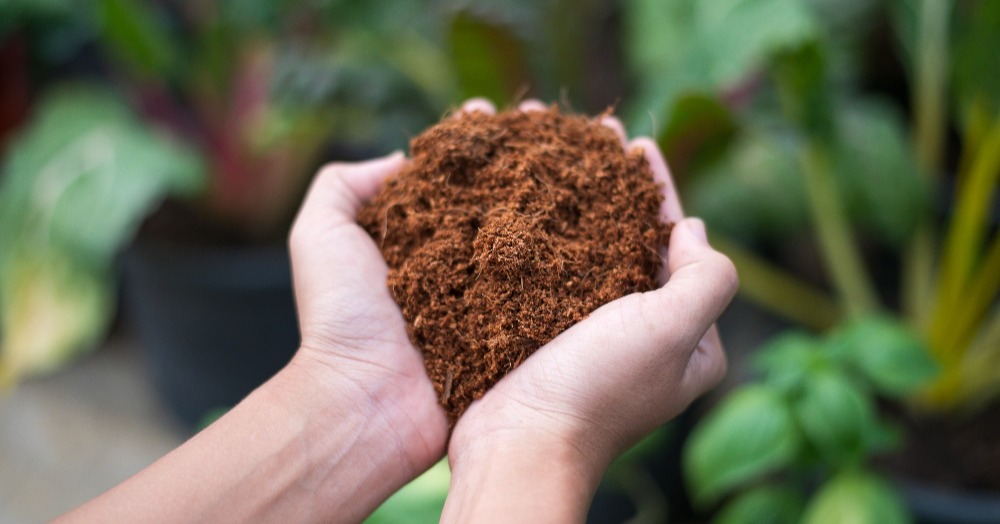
(793, 446)
(783, 146)
(789, 146)
(251, 89)
(79, 158)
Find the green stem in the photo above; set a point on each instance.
(975, 304)
(928, 137)
(931, 77)
(966, 234)
(779, 291)
(843, 260)
(917, 271)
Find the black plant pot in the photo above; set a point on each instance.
(214, 323)
(933, 505)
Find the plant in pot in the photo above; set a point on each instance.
(228, 108)
(804, 143)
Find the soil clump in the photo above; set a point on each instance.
(507, 229)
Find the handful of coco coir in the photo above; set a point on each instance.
(504, 231)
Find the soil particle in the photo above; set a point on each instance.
(504, 231)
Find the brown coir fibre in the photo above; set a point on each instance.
(504, 231)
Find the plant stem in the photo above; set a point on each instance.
(931, 77)
(964, 241)
(976, 303)
(842, 258)
(929, 121)
(779, 291)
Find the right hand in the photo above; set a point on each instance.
(629, 367)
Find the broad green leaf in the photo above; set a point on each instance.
(77, 183)
(676, 47)
(488, 59)
(835, 414)
(754, 191)
(84, 173)
(857, 498)
(699, 129)
(976, 59)
(50, 307)
(763, 505)
(789, 360)
(419, 501)
(138, 36)
(905, 18)
(740, 34)
(887, 352)
(877, 171)
(752, 433)
(802, 78)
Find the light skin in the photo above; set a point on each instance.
(354, 417)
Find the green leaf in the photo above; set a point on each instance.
(489, 60)
(858, 498)
(877, 171)
(85, 172)
(419, 501)
(977, 62)
(77, 183)
(835, 415)
(138, 37)
(741, 34)
(50, 308)
(763, 505)
(676, 47)
(754, 191)
(802, 78)
(789, 359)
(751, 434)
(886, 352)
(699, 129)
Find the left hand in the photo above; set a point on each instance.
(354, 337)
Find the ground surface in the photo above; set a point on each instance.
(69, 437)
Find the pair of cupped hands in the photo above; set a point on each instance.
(569, 409)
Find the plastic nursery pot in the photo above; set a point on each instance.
(214, 323)
(934, 505)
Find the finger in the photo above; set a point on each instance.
(477, 104)
(532, 105)
(671, 210)
(616, 126)
(340, 188)
(702, 283)
(706, 367)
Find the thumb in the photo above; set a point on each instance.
(339, 188)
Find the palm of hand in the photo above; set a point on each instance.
(349, 322)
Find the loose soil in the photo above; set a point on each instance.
(504, 231)
(956, 452)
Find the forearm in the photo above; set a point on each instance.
(291, 451)
(520, 480)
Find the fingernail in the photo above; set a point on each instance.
(697, 226)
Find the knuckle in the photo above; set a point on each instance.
(719, 367)
(726, 274)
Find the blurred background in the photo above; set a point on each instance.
(844, 153)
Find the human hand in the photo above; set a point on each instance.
(355, 349)
(596, 389)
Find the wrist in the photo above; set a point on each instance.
(520, 471)
(356, 453)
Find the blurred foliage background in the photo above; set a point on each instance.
(845, 154)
